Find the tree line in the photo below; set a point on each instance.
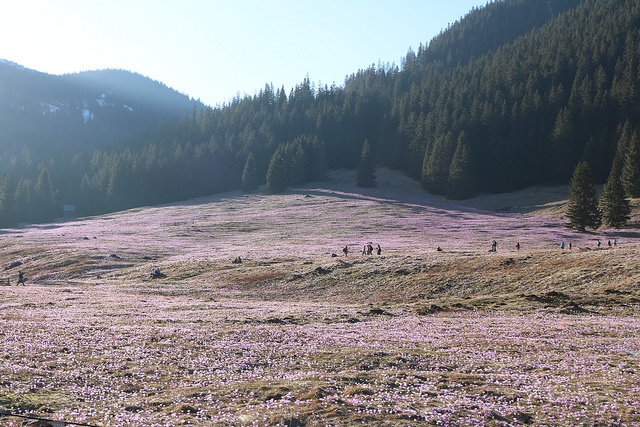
(517, 93)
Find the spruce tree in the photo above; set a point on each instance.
(622, 145)
(7, 207)
(43, 200)
(614, 205)
(250, 175)
(436, 164)
(22, 197)
(631, 167)
(277, 174)
(462, 181)
(366, 169)
(583, 209)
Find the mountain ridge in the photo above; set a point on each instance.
(99, 107)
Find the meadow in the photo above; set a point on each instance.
(437, 330)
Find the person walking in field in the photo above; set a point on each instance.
(518, 246)
(20, 278)
(379, 249)
(345, 250)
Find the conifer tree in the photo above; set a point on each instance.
(250, 175)
(44, 202)
(7, 206)
(583, 209)
(622, 145)
(631, 167)
(366, 169)
(22, 198)
(462, 181)
(435, 169)
(294, 154)
(277, 173)
(614, 205)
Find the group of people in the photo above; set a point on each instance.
(610, 243)
(598, 243)
(615, 243)
(366, 249)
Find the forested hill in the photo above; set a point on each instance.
(515, 93)
(82, 111)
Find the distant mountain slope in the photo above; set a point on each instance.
(487, 28)
(80, 112)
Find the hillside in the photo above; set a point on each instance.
(79, 113)
(294, 336)
(286, 243)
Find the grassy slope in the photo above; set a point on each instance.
(286, 242)
(294, 336)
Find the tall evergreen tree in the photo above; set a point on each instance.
(462, 182)
(622, 145)
(22, 198)
(366, 169)
(250, 175)
(43, 200)
(7, 206)
(583, 209)
(631, 167)
(435, 169)
(277, 173)
(614, 205)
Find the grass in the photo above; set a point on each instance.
(296, 336)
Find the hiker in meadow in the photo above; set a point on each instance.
(494, 246)
(20, 278)
(562, 245)
(379, 249)
(345, 250)
(369, 249)
(518, 246)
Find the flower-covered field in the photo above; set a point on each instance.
(100, 357)
(295, 336)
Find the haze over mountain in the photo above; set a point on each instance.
(516, 93)
(82, 111)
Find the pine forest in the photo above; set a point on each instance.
(516, 93)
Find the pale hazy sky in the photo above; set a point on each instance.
(217, 49)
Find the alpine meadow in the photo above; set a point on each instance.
(449, 241)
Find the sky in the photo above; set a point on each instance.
(215, 50)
